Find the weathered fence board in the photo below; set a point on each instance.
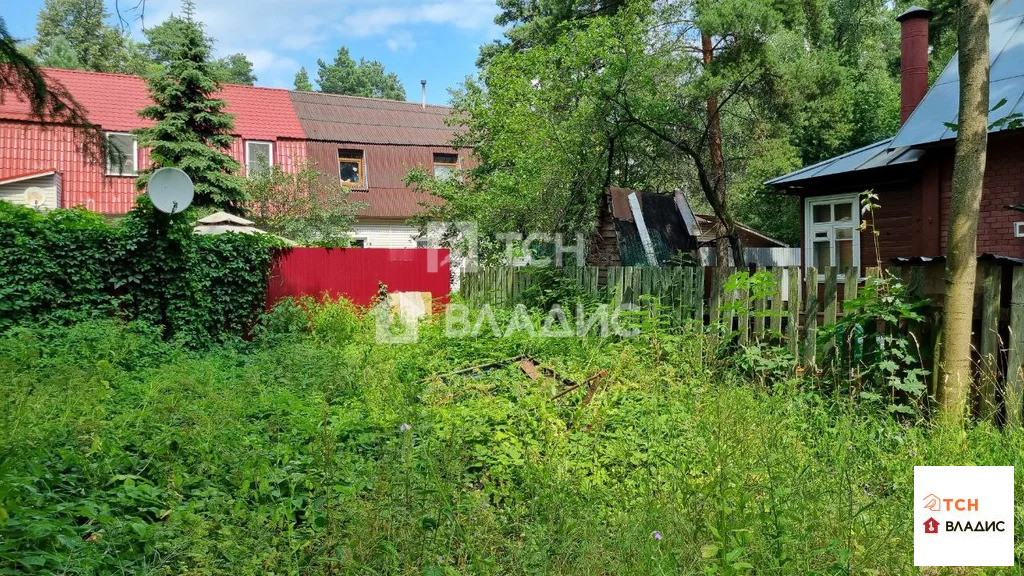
(793, 311)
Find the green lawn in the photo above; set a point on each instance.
(314, 450)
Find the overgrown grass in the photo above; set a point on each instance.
(120, 453)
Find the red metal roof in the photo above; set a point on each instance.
(113, 100)
(337, 118)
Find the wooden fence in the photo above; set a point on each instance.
(798, 304)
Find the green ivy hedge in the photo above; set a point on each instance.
(66, 266)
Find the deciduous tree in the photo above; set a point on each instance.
(965, 201)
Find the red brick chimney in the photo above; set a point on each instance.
(913, 59)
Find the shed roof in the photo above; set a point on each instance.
(877, 155)
(942, 102)
(113, 100)
(337, 118)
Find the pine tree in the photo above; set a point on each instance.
(192, 131)
(302, 80)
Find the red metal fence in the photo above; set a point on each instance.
(355, 273)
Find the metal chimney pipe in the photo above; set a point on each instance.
(913, 59)
(423, 86)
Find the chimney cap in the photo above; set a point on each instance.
(913, 13)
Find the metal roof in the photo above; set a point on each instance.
(942, 103)
(113, 100)
(337, 118)
(875, 155)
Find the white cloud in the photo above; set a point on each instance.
(277, 35)
(401, 41)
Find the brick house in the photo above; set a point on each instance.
(912, 172)
(370, 144)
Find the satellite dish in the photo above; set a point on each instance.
(170, 190)
(35, 196)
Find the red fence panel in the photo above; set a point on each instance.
(355, 272)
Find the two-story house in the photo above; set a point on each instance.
(369, 144)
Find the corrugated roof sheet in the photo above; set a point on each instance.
(337, 118)
(113, 102)
(942, 103)
(874, 155)
(391, 203)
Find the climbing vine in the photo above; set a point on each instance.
(66, 266)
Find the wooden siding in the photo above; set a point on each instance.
(894, 221)
(29, 147)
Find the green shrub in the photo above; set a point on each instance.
(67, 266)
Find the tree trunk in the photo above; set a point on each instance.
(717, 196)
(968, 177)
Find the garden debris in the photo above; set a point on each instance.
(531, 367)
(592, 384)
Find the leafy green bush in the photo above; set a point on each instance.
(66, 266)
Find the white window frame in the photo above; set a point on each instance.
(135, 155)
(248, 158)
(810, 228)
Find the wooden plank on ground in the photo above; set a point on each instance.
(1015, 358)
(989, 348)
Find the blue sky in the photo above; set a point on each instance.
(437, 40)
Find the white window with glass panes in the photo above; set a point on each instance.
(832, 232)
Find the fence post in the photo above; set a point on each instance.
(989, 349)
(811, 318)
(776, 315)
(697, 295)
(759, 307)
(715, 295)
(1014, 377)
(830, 293)
(793, 325)
(743, 314)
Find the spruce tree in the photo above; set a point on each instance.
(192, 130)
(302, 80)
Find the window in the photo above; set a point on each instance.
(350, 165)
(832, 232)
(259, 156)
(122, 154)
(445, 165)
(359, 242)
(422, 241)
